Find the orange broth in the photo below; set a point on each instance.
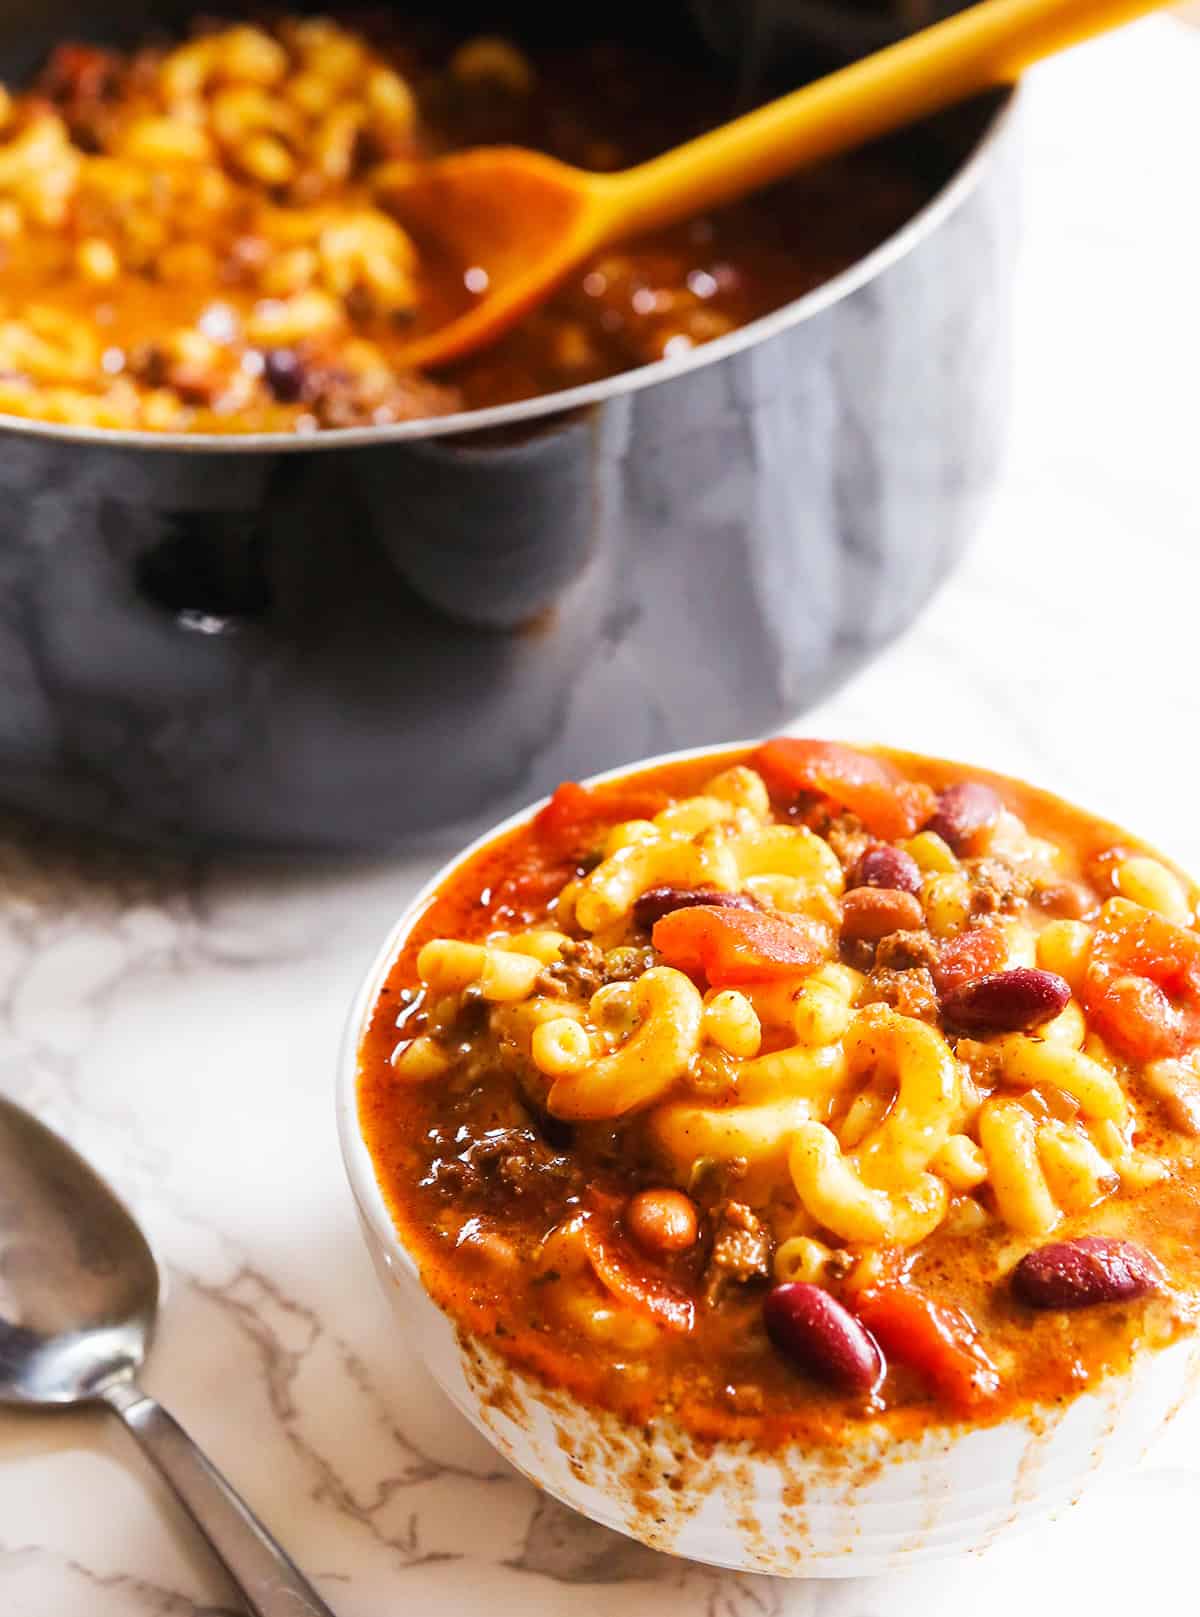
(724, 1378)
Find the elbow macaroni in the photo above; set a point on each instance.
(448, 966)
(1027, 1063)
(254, 163)
(824, 1007)
(856, 1122)
(879, 1190)
(1149, 883)
(658, 1052)
(833, 1191)
(1008, 1138)
(731, 1023)
(669, 859)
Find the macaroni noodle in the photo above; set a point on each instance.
(659, 1051)
(694, 1071)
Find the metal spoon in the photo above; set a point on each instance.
(79, 1291)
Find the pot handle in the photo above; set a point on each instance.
(207, 569)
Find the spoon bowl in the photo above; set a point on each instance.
(517, 219)
(79, 1286)
(79, 1292)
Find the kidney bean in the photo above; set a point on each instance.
(283, 372)
(662, 1221)
(962, 812)
(884, 866)
(1091, 1269)
(812, 1329)
(1006, 1001)
(873, 912)
(656, 902)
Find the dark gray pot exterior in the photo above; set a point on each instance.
(359, 648)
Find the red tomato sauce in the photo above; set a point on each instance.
(477, 1178)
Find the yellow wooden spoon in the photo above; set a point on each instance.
(520, 221)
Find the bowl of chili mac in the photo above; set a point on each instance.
(787, 1155)
(243, 534)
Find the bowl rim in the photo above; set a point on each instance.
(464, 423)
(359, 1165)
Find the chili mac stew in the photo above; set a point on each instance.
(782, 1090)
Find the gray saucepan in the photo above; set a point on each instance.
(375, 636)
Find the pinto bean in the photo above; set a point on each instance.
(884, 866)
(962, 812)
(1006, 1001)
(656, 902)
(812, 1329)
(1071, 900)
(662, 1221)
(1091, 1269)
(873, 912)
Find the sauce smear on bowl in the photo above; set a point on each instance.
(738, 1157)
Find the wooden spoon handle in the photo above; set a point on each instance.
(986, 45)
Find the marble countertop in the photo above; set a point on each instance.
(179, 1021)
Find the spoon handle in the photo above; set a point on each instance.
(983, 45)
(266, 1577)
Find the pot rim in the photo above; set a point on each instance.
(465, 422)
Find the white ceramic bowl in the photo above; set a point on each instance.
(876, 1504)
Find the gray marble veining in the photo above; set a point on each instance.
(179, 1018)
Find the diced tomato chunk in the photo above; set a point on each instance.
(1142, 984)
(530, 884)
(569, 804)
(566, 831)
(939, 1342)
(1149, 945)
(969, 955)
(575, 813)
(633, 1282)
(79, 71)
(730, 946)
(887, 805)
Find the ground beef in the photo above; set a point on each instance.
(741, 1249)
(454, 1020)
(911, 992)
(858, 953)
(983, 1060)
(839, 1263)
(996, 887)
(711, 1181)
(626, 965)
(583, 968)
(338, 399)
(849, 839)
(901, 951)
(577, 974)
(514, 1160)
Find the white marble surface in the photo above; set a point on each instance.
(180, 1023)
